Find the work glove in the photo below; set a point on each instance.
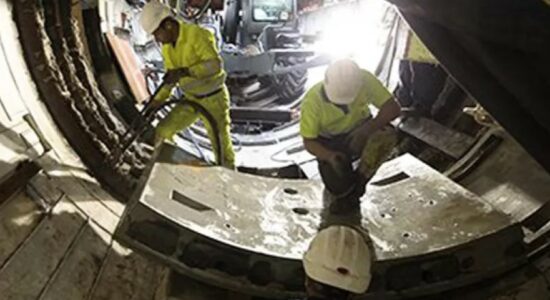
(173, 76)
(356, 141)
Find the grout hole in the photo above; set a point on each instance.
(300, 211)
(290, 191)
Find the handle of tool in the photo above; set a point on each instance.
(213, 124)
(142, 113)
(152, 98)
(141, 120)
(147, 113)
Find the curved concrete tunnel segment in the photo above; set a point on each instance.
(248, 233)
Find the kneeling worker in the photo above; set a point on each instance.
(192, 60)
(337, 126)
(338, 263)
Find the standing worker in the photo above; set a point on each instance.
(337, 126)
(338, 263)
(192, 60)
(421, 78)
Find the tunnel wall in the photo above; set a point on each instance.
(51, 45)
(55, 230)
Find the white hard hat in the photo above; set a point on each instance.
(153, 14)
(343, 80)
(339, 256)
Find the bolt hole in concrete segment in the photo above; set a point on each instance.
(300, 211)
(290, 191)
(406, 235)
(385, 216)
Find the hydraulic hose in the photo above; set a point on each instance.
(213, 124)
(139, 125)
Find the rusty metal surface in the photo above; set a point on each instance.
(246, 221)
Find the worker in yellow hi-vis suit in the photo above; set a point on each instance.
(192, 60)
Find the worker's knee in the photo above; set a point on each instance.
(179, 118)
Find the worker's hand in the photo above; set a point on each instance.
(173, 76)
(151, 107)
(359, 138)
